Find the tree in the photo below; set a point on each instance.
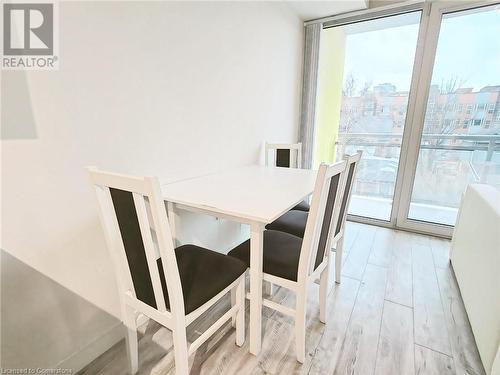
(446, 115)
(366, 88)
(350, 115)
(349, 86)
(449, 89)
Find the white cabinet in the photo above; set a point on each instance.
(475, 257)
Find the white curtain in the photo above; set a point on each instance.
(309, 92)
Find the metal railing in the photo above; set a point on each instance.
(488, 143)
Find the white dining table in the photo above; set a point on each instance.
(253, 195)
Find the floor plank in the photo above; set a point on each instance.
(382, 248)
(395, 349)
(429, 319)
(463, 345)
(421, 239)
(278, 347)
(355, 263)
(398, 295)
(340, 306)
(429, 362)
(276, 357)
(155, 354)
(441, 252)
(360, 345)
(351, 233)
(400, 280)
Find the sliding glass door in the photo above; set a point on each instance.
(418, 90)
(461, 130)
(365, 81)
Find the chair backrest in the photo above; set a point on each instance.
(350, 175)
(322, 217)
(138, 236)
(285, 155)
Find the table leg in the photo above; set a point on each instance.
(256, 251)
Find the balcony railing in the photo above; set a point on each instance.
(447, 163)
(488, 143)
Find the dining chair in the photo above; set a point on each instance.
(338, 236)
(172, 286)
(287, 155)
(292, 262)
(294, 222)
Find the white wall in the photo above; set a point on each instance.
(169, 89)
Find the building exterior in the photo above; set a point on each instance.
(451, 155)
(462, 111)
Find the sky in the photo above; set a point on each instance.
(468, 48)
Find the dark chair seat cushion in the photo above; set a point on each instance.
(293, 222)
(281, 254)
(203, 273)
(302, 206)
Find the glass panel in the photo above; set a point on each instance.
(461, 136)
(364, 81)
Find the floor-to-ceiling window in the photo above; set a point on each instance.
(371, 97)
(462, 118)
(418, 90)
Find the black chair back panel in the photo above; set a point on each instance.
(345, 198)
(327, 218)
(126, 214)
(283, 157)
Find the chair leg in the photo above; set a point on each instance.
(323, 291)
(269, 288)
(338, 259)
(300, 325)
(240, 315)
(233, 302)
(181, 351)
(130, 324)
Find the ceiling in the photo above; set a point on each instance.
(308, 10)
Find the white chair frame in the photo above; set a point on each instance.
(295, 162)
(306, 272)
(338, 239)
(157, 240)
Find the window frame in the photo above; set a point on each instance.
(430, 24)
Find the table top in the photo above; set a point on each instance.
(251, 193)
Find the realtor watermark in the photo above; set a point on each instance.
(30, 35)
(37, 370)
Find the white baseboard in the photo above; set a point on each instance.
(94, 349)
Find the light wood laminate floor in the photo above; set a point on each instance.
(397, 311)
